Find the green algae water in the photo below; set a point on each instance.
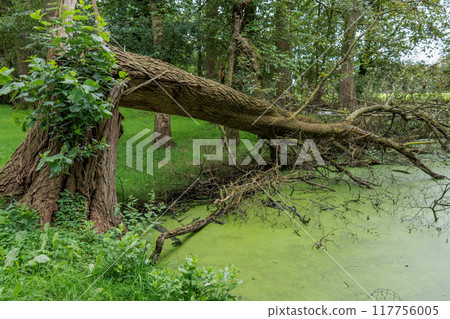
(372, 242)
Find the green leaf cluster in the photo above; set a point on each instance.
(72, 89)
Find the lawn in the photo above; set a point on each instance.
(11, 134)
(166, 181)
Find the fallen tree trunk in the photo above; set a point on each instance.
(160, 87)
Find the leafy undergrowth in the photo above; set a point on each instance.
(70, 261)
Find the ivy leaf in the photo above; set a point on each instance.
(42, 160)
(90, 85)
(77, 95)
(38, 82)
(55, 167)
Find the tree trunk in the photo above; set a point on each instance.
(187, 95)
(347, 85)
(284, 48)
(22, 55)
(237, 25)
(162, 120)
(211, 45)
(93, 178)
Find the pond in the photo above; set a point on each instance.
(373, 242)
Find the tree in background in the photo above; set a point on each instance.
(284, 47)
(347, 83)
(162, 121)
(211, 42)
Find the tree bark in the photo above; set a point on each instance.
(162, 120)
(284, 48)
(347, 84)
(22, 55)
(93, 178)
(211, 45)
(191, 96)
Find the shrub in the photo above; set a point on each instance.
(193, 282)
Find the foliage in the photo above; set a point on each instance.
(72, 210)
(315, 30)
(72, 89)
(16, 25)
(61, 263)
(136, 219)
(193, 283)
(16, 221)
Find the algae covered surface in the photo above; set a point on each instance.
(372, 242)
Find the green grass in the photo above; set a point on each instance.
(11, 135)
(165, 181)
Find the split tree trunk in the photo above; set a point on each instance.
(93, 178)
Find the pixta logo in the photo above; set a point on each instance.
(147, 146)
(308, 148)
